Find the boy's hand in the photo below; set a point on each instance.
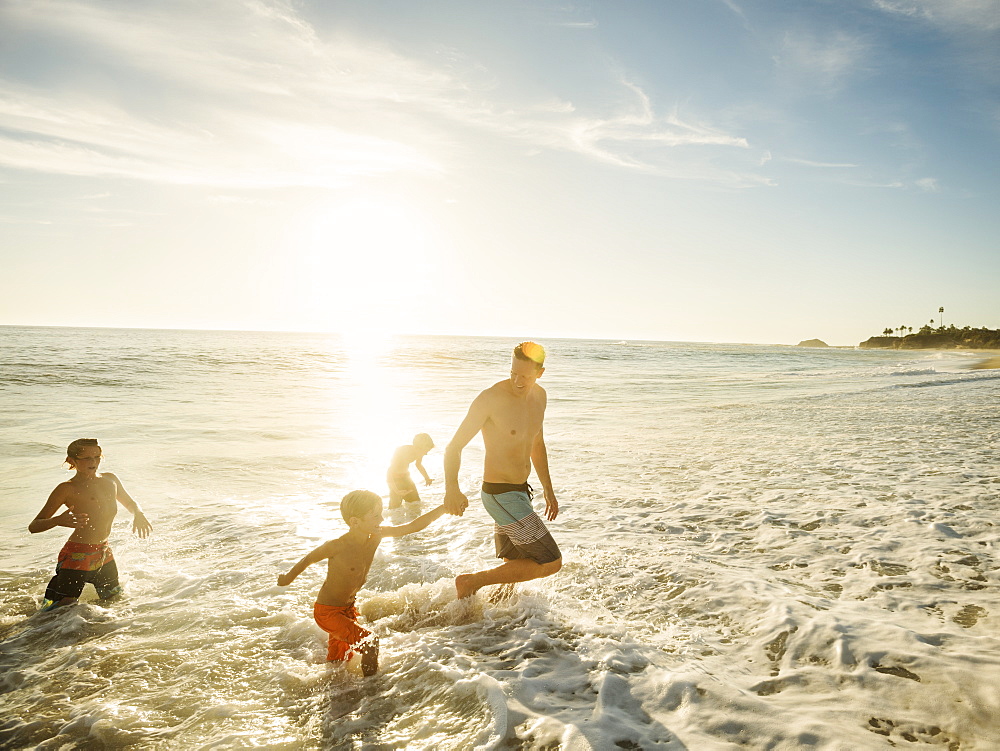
(72, 519)
(141, 525)
(284, 580)
(428, 481)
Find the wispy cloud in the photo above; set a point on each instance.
(821, 165)
(961, 14)
(825, 61)
(245, 94)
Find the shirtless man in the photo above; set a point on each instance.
(349, 558)
(91, 502)
(509, 414)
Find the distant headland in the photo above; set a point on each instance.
(928, 337)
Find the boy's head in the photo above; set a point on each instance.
(82, 448)
(358, 504)
(422, 442)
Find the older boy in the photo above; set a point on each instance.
(509, 414)
(91, 501)
(401, 487)
(349, 558)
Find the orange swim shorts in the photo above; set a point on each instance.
(341, 623)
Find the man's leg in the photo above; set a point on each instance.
(510, 571)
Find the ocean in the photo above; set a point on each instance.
(765, 547)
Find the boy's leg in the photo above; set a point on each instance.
(105, 581)
(64, 588)
(395, 499)
(346, 635)
(368, 650)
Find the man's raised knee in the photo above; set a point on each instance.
(551, 567)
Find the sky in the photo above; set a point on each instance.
(675, 170)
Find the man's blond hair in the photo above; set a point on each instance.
(530, 352)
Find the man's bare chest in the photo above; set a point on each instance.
(518, 423)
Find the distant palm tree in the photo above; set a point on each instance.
(941, 311)
(886, 331)
(909, 329)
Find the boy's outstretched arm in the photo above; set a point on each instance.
(140, 524)
(324, 551)
(416, 525)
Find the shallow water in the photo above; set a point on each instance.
(764, 547)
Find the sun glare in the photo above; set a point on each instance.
(368, 265)
(373, 407)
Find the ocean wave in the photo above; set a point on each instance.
(899, 373)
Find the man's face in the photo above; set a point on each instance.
(523, 374)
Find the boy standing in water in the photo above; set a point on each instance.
(401, 487)
(349, 558)
(91, 502)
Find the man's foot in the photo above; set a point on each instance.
(465, 586)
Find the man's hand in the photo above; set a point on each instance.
(141, 525)
(455, 502)
(284, 580)
(551, 505)
(428, 481)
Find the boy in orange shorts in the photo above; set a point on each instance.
(349, 558)
(91, 501)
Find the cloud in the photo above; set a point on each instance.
(822, 165)
(952, 14)
(928, 184)
(822, 60)
(245, 94)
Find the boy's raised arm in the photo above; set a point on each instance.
(421, 522)
(324, 551)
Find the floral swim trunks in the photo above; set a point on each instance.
(80, 564)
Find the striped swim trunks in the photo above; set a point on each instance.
(519, 531)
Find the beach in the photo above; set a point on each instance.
(765, 547)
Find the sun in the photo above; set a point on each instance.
(369, 268)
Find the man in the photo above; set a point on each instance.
(509, 414)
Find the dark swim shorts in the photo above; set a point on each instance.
(519, 531)
(79, 564)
